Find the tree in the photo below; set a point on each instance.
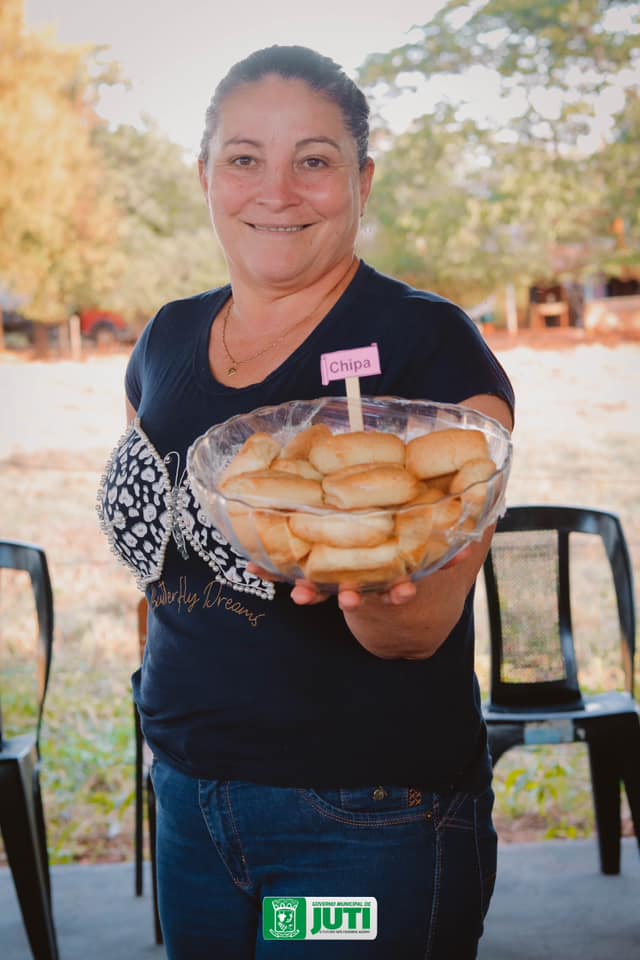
(165, 243)
(461, 213)
(90, 217)
(496, 198)
(56, 222)
(558, 54)
(431, 219)
(616, 166)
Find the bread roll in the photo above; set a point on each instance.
(417, 555)
(301, 468)
(373, 577)
(437, 546)
(444, 510)
(468, 525)
(242, 520)
(332, 453)
(441, 483)
(268, 488)
(283, 548)
(411, 549)
(299, 446)
(257, 453)
(420, 526)
(413, 529)
(444, 451)
(472, 472)
(362, 487)
(382, 509)
(351, 529)
(325, 558)
(473, 475)
(356, 565)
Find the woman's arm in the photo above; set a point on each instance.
(412, 620)
(131, 412)
(415, 624)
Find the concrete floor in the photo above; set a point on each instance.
(551, 903)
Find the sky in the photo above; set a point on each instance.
(175, 51)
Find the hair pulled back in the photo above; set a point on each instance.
(320, 73)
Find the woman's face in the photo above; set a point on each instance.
(283, 185)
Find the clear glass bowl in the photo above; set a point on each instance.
(476, 507)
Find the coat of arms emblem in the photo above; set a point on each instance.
(284, 919)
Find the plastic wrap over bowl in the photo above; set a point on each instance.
(262, 533)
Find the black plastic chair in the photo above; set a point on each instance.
(144, 788)
(535, 696)
(21, 811)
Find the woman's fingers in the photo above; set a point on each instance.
(263, 574)
(400, 593)
(396, 596)
(305, 594)
(350, 600)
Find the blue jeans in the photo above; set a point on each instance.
(428, 858)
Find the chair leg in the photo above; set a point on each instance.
(42, 832)
(151, 813)
(21, 820)
(605, 781)
(630, 767)
(139, 805)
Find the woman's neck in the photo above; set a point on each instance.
(258, 309)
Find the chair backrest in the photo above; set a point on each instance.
(529, 593)
(27, 557)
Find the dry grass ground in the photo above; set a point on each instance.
(576, 441)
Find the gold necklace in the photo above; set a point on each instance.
(233, 368)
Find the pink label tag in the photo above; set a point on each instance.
(361, 362)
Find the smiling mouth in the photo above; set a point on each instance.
(265, 228)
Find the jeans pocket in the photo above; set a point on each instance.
(370, 806)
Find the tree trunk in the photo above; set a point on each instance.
(511, 310)
(40, 339)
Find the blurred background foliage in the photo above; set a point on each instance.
(466, 204)
(95, 215)
(463, 205)
(89, 215)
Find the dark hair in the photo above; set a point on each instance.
(295, 63)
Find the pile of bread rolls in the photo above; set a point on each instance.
(359, 509)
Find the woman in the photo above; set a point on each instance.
(304, 746)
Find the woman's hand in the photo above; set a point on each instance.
(305, 594)
(410, 620)
(413, 620)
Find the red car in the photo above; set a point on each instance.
(104, 327)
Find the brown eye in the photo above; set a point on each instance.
(314, 163)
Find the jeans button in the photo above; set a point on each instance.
(380, 793)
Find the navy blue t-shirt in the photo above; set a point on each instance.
(237, 681)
